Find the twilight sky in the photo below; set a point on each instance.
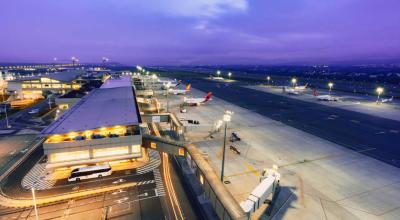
(175, 32)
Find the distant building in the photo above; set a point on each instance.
(34, 87)
(104, 126)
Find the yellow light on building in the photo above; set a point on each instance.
(201, 179)
(181, 151)
(136, 149)
(69, 156)
(153, 145)
(111, 151)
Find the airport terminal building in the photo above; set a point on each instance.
(33, 87)
(104, 126)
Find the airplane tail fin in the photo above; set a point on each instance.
(208, 97)
(188, 87)
(315, 93)
(305, 86)
(179, 82)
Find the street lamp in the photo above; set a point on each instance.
(229, 75)
(330, 85)
(5, 111)
(294, 81)
(218, 73)
(153, 77)
(167, 87)
(34, 203)
(268, 79)
(226, 119)
(379, 90)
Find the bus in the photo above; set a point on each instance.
(90, 172)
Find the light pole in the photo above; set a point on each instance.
(49, 102)
(268, 79)
(294, 81)
(226, 119)
(229, 75)
(218, 73)
(167, 86)
(330, 85)
(379, 90)
(34, 203)
(5, 111)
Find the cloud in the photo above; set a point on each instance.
(202, 8)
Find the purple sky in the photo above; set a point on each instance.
(176, 32)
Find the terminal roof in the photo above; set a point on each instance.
(103, 107)
(67, 76)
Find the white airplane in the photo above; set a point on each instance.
(327, 98)
(301, 88)
(387, 100)
(294, 90)
(197, 101)
(290, 91)
(169, 84)
(180, 91)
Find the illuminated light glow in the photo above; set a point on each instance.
(153, 145)
(112, 151)
(379, 90)
(69, 156)
(201, 179)
(72, 135)
(136, 149)
(330, 84)
(181, 151)
(294, 80)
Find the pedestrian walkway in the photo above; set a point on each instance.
(36, 178)
(155, 162)
(159, 183)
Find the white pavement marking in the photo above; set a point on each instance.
(159, 183)
(155, 162)
(36, 178)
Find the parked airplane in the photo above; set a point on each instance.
(180, 91)
(197, 101)
(327, 98)
(387, 100)
(301, 87)
(170, 84)
(290, 91)
(294, 90)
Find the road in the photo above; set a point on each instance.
(373, 136)
(24, 120)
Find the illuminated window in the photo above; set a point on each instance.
(68, 156)
(56, 86)
(153, 145)
(112, 151)
(45, 80)
(36, 86)
(26, 86)
(181, 152)
(136, 149)
(63, 106)
(76, 86)
(66, 86)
